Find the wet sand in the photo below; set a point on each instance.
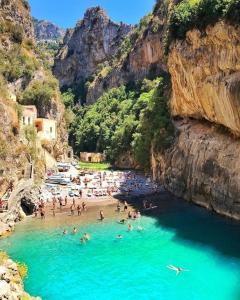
(64, 217)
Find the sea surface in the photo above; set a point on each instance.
(135, 267)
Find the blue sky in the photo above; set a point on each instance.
(66, 13)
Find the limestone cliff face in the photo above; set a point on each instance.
(205, 70)
(17, 12)
(203, 166)
(13, 155)
(47, 31)
(146, 58)
(94, 41)
(21, 67)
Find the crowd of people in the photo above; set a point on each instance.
(130, 215)
(100, 185)
(86, 187)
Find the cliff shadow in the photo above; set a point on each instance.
(190, 222)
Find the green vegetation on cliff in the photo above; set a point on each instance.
(125, 120)
(190, 14)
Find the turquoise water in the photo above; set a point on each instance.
(134, 267)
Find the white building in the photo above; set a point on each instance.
(46, 129)
(29, 115)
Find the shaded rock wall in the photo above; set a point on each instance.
(203, 166)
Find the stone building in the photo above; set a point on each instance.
(92, 157)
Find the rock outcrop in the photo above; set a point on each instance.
(145, 59)
(18, 13)
(94, 41)
(22, 203)
(11, 282)
(21, 68)
(203, 166)
(47, 31)
(205, 71)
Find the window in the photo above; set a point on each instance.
(51, 130)
(23, 119)
(29, 120)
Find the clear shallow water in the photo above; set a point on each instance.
(134, 267)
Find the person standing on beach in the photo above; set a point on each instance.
(80, 193)
(125, 205)
(72, 210)
(79, 210)
(101, 215)
(118, 207)
(42, 213)
(74, 202)
(60, 203)
(66, 200)
(84, 207)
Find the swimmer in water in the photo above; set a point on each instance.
(86, 237)
(74, 230)
(119, 236)
(65, 232)
(130, 228)
(82, 240)
(176, 269)
(123, 221)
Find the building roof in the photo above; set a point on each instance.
(29, 109)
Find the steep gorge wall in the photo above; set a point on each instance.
(146, 59)
(21, 68)
(94, 40)
(205, 70)
(203, 166)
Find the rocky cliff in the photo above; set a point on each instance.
(94, 40)
(205, 70)
(23, 79)
(47, 31)
(144, 58)
(17, 13)
(11, 280)
(203, 166)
